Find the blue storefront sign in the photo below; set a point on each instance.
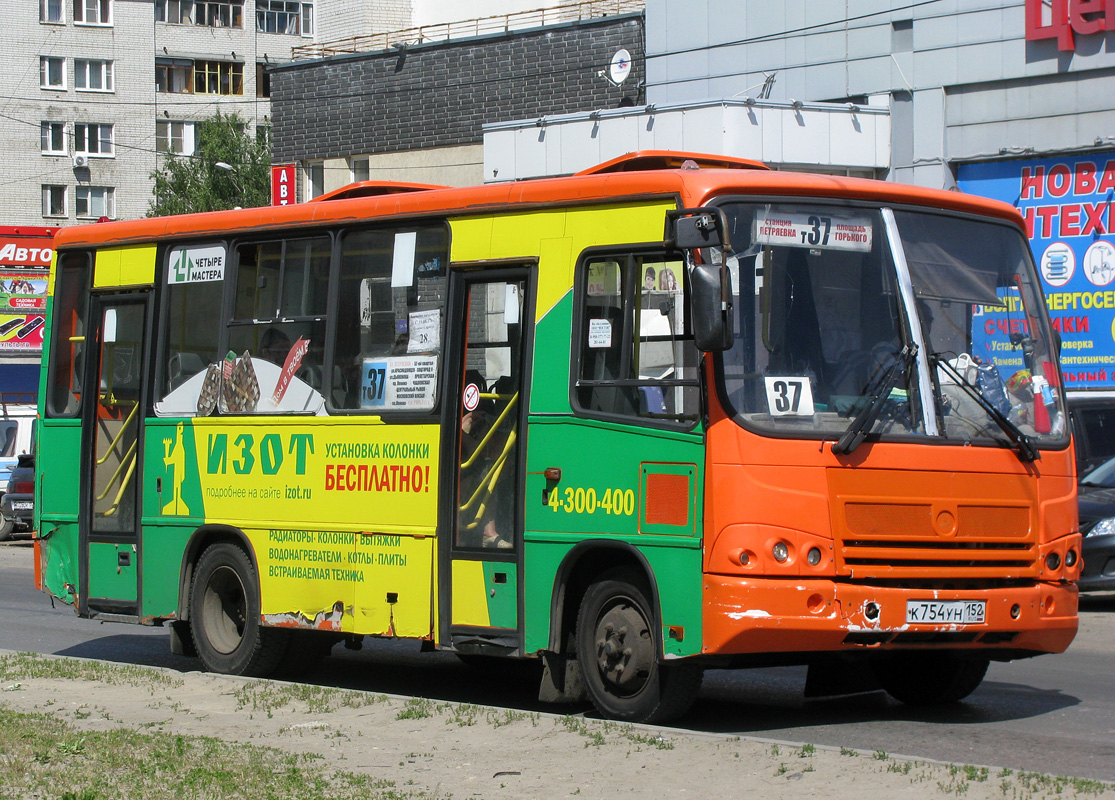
(1066, 203)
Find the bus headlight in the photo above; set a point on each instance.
(780, 552)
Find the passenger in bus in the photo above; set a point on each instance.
(274, 346)
(480, 529)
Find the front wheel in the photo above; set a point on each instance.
(618, 654)
(930, 679)
(224, 615)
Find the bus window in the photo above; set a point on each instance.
(637, 357)
(68, 351)
(276, 337)
(194, 289)
(390, 318)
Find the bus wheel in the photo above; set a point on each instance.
(224, 615)
(617, 650)
(930, 679)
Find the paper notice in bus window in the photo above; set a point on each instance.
(425, 331)
(196, 264)
(599, 333)
(789, 396)
(399, 383)
(365, 304)
(402, 264)
(816, 231)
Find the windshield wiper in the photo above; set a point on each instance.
(877, 394)
(1022, 444)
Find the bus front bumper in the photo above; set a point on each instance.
(746, 616)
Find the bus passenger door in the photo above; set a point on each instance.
(490, 328)
(112, 419)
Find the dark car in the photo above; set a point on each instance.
(18, 504)
(1097, 523)
(1092, 414)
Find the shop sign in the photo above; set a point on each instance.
(282, 184)
(1066, 204)
(1063, 19)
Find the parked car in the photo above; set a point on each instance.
(1092, 416)
(18, 504)
(1097, 523)
(17, 436)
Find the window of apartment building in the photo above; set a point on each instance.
(96, 202)
(174, 75)
(174, 137)
(211, 13)
(50, 11)
(285, 16)
(218, 77)
(52, 72)
(93, 12)
(359, 169)
(263, 80)
(314, 172)
(263, 135)
(92, 75)
(93, 138)
(54, 201)
(53, 138)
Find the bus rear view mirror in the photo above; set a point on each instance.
(712, 315)
(694, 228)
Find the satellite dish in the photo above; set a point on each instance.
(620, 67)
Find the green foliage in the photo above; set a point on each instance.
(187, 184)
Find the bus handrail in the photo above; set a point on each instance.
(487, 484)
(130, 455)
(123, 487)
(495, 426)
(119, 436)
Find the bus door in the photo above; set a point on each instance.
(112, 418)
(491, 327)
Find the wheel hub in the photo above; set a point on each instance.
(624, 647)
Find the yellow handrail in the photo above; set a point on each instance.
(488, 483)
(119, 435)
(128, 455)
(123, 487)
(491, 431)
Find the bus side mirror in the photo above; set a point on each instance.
(702, 235)
(712, 314)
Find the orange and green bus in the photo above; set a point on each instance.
(670, 413)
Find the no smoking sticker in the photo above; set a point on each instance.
(471, 397)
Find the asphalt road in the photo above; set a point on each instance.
(1053, 714)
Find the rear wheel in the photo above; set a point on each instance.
(618, 653)
(930, 679)
(6, 527)
(224, 615)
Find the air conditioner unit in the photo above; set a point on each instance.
(81, 161)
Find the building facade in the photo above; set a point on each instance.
(414, 110)
(99, 89)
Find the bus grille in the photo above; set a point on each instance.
(920, 539)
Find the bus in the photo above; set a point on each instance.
(674, 412)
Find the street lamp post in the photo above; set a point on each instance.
(235, 177)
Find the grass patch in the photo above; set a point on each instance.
(41, 756)
(27, 666)
(269, 695)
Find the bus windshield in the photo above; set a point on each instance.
(853, 321)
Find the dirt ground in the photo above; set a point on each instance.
(462, 751)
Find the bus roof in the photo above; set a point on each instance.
(691, 184)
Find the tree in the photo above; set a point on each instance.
(186, 184)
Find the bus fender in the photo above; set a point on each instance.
(582, 565)
(202, 538)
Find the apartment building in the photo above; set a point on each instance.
(96, 90)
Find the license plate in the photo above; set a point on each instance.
(956, 612)
(26, 506)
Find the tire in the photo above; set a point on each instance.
(224, 615)
(618, 653)
(6, 528)
(930, 679)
